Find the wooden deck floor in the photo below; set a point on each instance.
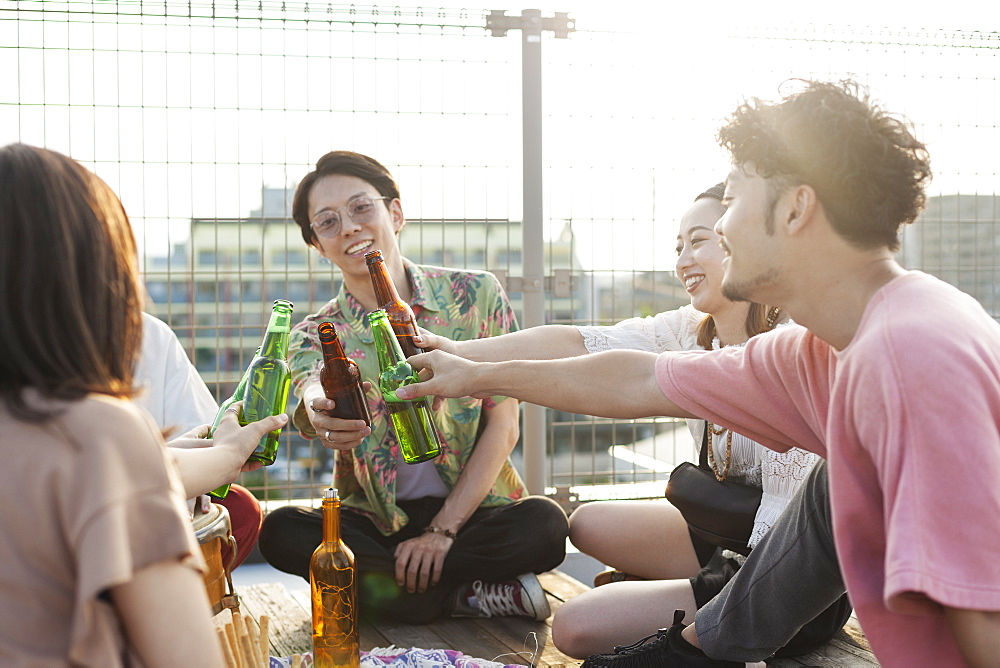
(507, 639)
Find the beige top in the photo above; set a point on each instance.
(87, 499)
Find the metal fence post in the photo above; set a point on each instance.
(531, 25)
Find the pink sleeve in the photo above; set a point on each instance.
(768, 390)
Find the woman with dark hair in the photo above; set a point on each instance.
(100, 565)
(648, 543)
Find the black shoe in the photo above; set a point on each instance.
(663, 649)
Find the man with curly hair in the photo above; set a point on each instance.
(892, 375)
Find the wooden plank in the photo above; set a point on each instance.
(410, 635)
(290, 628)
(508, 639)
(560, 588)
(856, 635)
(527, 632)
(473, 638)
(837, 652)
(563, 587)
(369, 637)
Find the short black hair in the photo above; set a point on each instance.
(347, 163)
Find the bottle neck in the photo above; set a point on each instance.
(332, 349)
(275, 343)
(385, 289)
(331, 520)
(386, 345)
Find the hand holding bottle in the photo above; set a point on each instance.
(240, 441)
(448, 376)
(205, 463)
(334, 433)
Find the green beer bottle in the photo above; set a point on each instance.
(237, 395)
(264, 387)
(411, 420)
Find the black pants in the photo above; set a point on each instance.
(495, 544)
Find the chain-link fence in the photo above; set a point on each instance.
(202, 116)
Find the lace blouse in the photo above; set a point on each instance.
(778, 474)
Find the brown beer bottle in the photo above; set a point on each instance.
(341, 378)
(404, 323)
(333, 588)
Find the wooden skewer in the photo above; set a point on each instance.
(265, 640)
(249, 657)
(227, 651)
(254, 641)
(234, 643)
(240, 627)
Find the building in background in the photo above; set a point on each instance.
(216, 289)
(957, 239)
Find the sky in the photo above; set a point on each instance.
(192, 122)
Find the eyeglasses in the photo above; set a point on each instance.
(361, 211)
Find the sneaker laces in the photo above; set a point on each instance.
(499, 599)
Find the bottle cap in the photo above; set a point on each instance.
(330, 493)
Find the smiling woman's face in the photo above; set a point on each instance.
(699, 256)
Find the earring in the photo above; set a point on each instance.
(772, 317)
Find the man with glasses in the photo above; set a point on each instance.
(456, 535)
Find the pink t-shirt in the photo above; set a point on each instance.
(908, 415)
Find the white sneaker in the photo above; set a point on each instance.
(522, 597)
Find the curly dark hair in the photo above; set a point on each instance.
(865, 165)
(347, 163)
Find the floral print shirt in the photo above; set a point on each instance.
(456, 303)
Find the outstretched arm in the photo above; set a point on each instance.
(614, 384)
(204, 463)
(545, 342)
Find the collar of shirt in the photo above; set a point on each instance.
(348, 309)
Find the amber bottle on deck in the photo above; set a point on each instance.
(334, 591)
(404, 323)
(341, 378)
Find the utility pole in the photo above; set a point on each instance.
(532, 24)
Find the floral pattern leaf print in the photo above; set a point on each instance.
(455, 303)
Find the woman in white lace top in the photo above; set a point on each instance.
(778, 474)
(661, 565)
